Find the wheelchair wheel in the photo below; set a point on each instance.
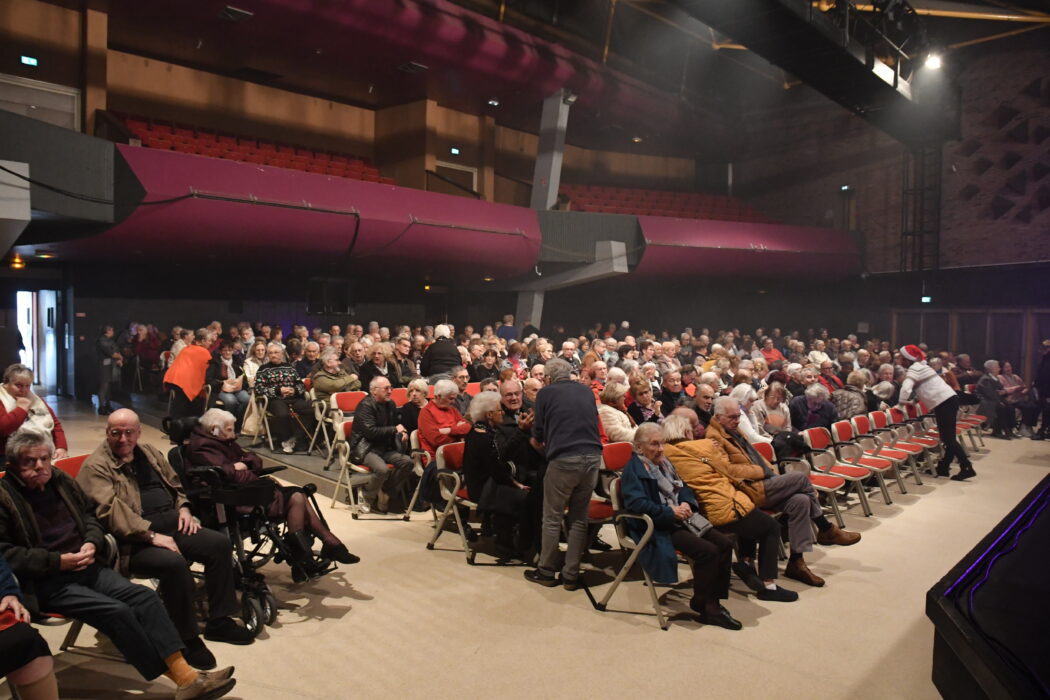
(269, 608)
(252, 614)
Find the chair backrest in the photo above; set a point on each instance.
(878, 419)
(817, 438)
(897, 415)
(616, 455)
(474, 388)
(430, 391)
(842, 431)
(347, 426)
(450, 456)
(861, 425)
(308, 383)
(346, 401)
(911, 410)
(614, 495)
(71, 465)
(766, 450)
(399, 396)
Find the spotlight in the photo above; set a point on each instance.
(426, 287)
(487, 278)
(570, 98)
(17, 263)
(636, 139)
(933, 61)
(844, 188)
(493, 102)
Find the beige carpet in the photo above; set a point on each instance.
(407, 622)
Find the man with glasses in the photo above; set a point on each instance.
(141, 501)
(462, 377)
(51, 538)
(376, 441)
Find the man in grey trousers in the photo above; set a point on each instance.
(565, 429)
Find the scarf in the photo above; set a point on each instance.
(39, 416)
(668, 483)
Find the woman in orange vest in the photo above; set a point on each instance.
(185, 377)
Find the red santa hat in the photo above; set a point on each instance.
(913, 353)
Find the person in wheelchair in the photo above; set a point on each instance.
(214, 443)
(141, 500)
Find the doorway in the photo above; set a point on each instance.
(37, 314)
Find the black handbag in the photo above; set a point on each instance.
(501, 498)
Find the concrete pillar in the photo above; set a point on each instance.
(529, 308)
(547, 173)
(94, 45)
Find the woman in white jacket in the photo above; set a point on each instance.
(618, 424)
(745, 396)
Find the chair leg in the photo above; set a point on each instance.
(835, 510)
(266, 430)
(900, 479)
(412, 503)
(463, 534)
(882, 487)
(620, 576)
(865, 506)
(660, 617)
(70, 640)
(439, 525)
(339, 484)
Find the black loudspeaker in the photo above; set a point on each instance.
(328, 295)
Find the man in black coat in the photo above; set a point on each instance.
(375, 442)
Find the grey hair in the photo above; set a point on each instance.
(557, 369)
(816, 390)
(372, 384)
(726, 406)
(616, 376)
(17, 370)
(643, 431)
(284, 354)
(710, 379)
(743, 393)
(483, 403)
(613, 392)
(962, 356)
(445, 387)
(442, 331)
(419, 384)
(676, 428)
(884, 366)
(988, 365)
(216, 418)
(26, 438)
(308, 343)
(328, 352)
(628, 366)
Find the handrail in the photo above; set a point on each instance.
(472, 193)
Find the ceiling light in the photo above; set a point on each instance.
(17, 263)
(933, 61)
(569, 98)
(45, 254)
(487, 278)
(844, 188)
(493, 102)
(426, 287)
(636, 139)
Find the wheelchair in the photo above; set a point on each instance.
(240, 510)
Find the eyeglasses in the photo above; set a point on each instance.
(116, 433)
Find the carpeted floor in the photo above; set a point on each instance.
(407, 622)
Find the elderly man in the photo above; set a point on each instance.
(517, 448)
(670, 391)
(461, 377)
(813, 409)
(50, 536)
(791, 493)
(536, 371)
(281, 384)
(828, 378)
(704, 401)
(565, 429)
(140, 500)
(355, 358)
(406, 367)
(441, 357)
(375, 443)
(531, 388)
(568, 353)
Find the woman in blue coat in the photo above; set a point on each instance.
(651, 486)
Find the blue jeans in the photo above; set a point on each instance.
(570, 481)
(235, 403)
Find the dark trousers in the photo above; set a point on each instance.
(283, 426)
(181, 405)
(711, 556)
(129, 614)
(177, 588)
(1004, 419)
(1029, 412)
(946, 413)
(757, 528)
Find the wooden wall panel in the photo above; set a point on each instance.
(49, 33)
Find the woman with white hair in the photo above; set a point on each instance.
(745, 395)
(213, 443)
(440, 422)
(769, 415)
(20, 406)
(417, 401)
(491, 479)
(993, 402)
(441, 357)
(612, 412)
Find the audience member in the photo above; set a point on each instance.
(331, 377)
(185, 378)
(417, 400)
(25, 659)
(440, 422)
(225, 375)
(612, 411)
(20, 406)
(377, 440)
(280, 383)
(812, 409)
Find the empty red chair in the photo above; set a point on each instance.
(824, 459)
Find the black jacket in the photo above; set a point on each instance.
(20, 540)
(374, 429)
(440, 358)
(214, 374)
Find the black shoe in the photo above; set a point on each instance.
(943, 470)
(781, 595)
(198, 655)
(600, 545)
(570, 584)
(537, 576)
(1040, 435)
(472, 534)
(964, 474)
(339, 553)
(226, 630)
(722, 618)
(746, 573)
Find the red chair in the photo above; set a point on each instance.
(615, 456)
(342, 404)
(874, 446)
(880, 425)
(450, 484)
(474, 388)
(822, 457)
(71, 465)
(827, 484)
(351, 476)
(850, 452)
(399, 396)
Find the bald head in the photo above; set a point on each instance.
(122, 433)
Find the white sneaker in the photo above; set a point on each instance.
(288, 446)
(364, 508)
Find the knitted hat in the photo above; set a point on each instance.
(913, 353)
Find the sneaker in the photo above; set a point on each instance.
(226, 630)
(198, 656)
(204, 688)
(746, 573)
(288, 446)
(778, 594)
(537, 576)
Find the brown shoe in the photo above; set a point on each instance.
(205, 688)
(836, 535)
(798, 570)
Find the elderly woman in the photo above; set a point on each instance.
(440, 422)
(770, 415)
(728, 507)
(1020, 398)
(256, 358)
(817, 355)
(417, 401)
(643, 408)
(22, 407)
(25, 658)
(993, 401)
(491, 479)
(225, 376)
(852, 399)
(651, 486)
(612, 412)
(745, 395)
(331, 376)
(514, 360)
(214, 443)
